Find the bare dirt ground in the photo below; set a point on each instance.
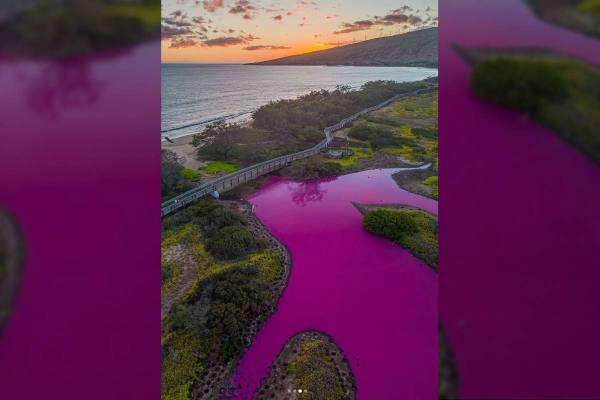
(183, 148)
(182, 256)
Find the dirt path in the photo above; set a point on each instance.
(182, 256)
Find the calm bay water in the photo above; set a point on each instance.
(195, 95)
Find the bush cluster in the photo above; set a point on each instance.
(59, 28)
(311, 168)
(208, 325)
(323, 108)
(414, 230)
(378, 136)
(394, 225)
(518, 82)
(232, 242)
(175, 179)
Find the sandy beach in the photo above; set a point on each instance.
(182, 146)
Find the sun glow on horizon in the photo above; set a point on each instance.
(244, 31)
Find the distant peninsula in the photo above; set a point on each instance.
(412, 49)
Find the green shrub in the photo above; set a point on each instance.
(432, 182)
(173, 175)
(62, 28)
(377, 136)
(429, 133)
(518, 82)
(220, 217)
(192, 213)
(414, 230)
(392, 224)
(232, 242)
(191, 175)
(311, 168)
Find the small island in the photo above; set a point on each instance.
(561, 92)
(310, 367)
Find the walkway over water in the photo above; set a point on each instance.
(244, 175)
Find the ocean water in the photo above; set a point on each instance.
(375, 299)
(195, 95)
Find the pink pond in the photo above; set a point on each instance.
(520, 231)
(80, 167)
(375, 299)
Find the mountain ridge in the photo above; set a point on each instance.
(411, 49)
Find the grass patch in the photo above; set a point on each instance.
(414, 230)
(191, 175)
(563, 94)
(352, 161)
(419, 106)
(432, 182)
(217, 167)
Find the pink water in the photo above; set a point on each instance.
(377, 301)
(79, 171)
(520, 231)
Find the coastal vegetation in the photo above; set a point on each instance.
(579, 15)
(562, 93)
(312, 362)
(401, 134)
(415, 230)
(60, 28)
(311, 168)
(288, 126)
(175, 179)
(231, 292)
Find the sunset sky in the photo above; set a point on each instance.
(240, 31)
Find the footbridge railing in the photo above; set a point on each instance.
(244, 175)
